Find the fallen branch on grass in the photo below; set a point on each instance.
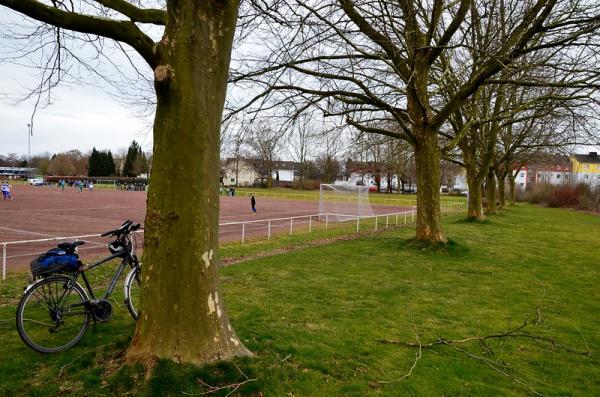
(511, 333)
(498, 366)
(214, 389)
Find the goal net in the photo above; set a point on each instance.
(106, 184)
(344, 202)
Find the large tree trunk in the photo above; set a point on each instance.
(501, 188)
(182, 315)
(427, 158)
(491, 192)
(474, 205)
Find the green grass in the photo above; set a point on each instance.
(313, 317)
(374, 197)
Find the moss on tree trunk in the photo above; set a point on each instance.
(182, 315)
(427, 159)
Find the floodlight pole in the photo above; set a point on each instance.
(28, 147)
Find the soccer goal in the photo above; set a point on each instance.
(344, 202)
(106, 184)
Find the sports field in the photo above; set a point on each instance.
(48, 212)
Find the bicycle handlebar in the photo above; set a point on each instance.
(125, 228)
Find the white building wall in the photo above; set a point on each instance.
(521, 179)
(284, 175)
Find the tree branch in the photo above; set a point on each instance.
(124, 31)
(154, 16)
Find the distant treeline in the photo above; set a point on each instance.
(119, 180)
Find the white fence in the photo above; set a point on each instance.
(241, 231)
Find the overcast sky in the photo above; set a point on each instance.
(79, 118)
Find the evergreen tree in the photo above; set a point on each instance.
(133, 152)
(95, 163)
(110, 164)
(101, 163)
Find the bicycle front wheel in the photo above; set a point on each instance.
(51, 315)
(132, 291)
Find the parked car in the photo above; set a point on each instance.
(35, 181)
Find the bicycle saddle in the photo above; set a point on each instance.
(70, 247)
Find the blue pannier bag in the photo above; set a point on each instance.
(54, 261)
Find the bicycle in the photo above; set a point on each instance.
(55, 311)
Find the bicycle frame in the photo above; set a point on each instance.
(127, 259)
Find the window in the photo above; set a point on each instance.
(586, 176)
(232, 179)
(539, 176)
(557, 176)
(522, 175)
(597, 176)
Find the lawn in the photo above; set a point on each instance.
(315, 317)
(374, 197)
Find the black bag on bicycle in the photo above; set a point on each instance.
(56, 260)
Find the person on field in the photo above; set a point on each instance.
(253, 202)
(91, 186)
(5, 191)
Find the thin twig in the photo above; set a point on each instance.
(214, 389)
(286, 357)
(417, 357)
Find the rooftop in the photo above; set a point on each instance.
(590, 158)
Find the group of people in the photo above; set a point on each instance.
(6, 191)
(228, 191)
(76, 184)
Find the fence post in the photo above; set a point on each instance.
(405, 219)
(326, 221)
(387, 221)
(269, 231)
(3, 261)
(376, 219)
(310, 223)
(396, 220)
(357, 225)
(291, 225)
(243, 232)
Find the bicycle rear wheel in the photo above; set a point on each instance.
(51, 315)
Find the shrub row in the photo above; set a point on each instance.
(580, 196)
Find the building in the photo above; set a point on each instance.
(15, 172)
(248, 171)
(548, 169)
(586, 168)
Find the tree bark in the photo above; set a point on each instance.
(427, 158)
(475, 203)
(182, 316)
(474, 180)
(511, 184)
(491, 192)
(501, 176)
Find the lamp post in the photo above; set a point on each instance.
(29, 133)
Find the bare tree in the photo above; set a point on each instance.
(364, 62)
(182, 315)
(265, 142)
(302, 136)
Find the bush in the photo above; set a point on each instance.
(565, 196)
(579, 196)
